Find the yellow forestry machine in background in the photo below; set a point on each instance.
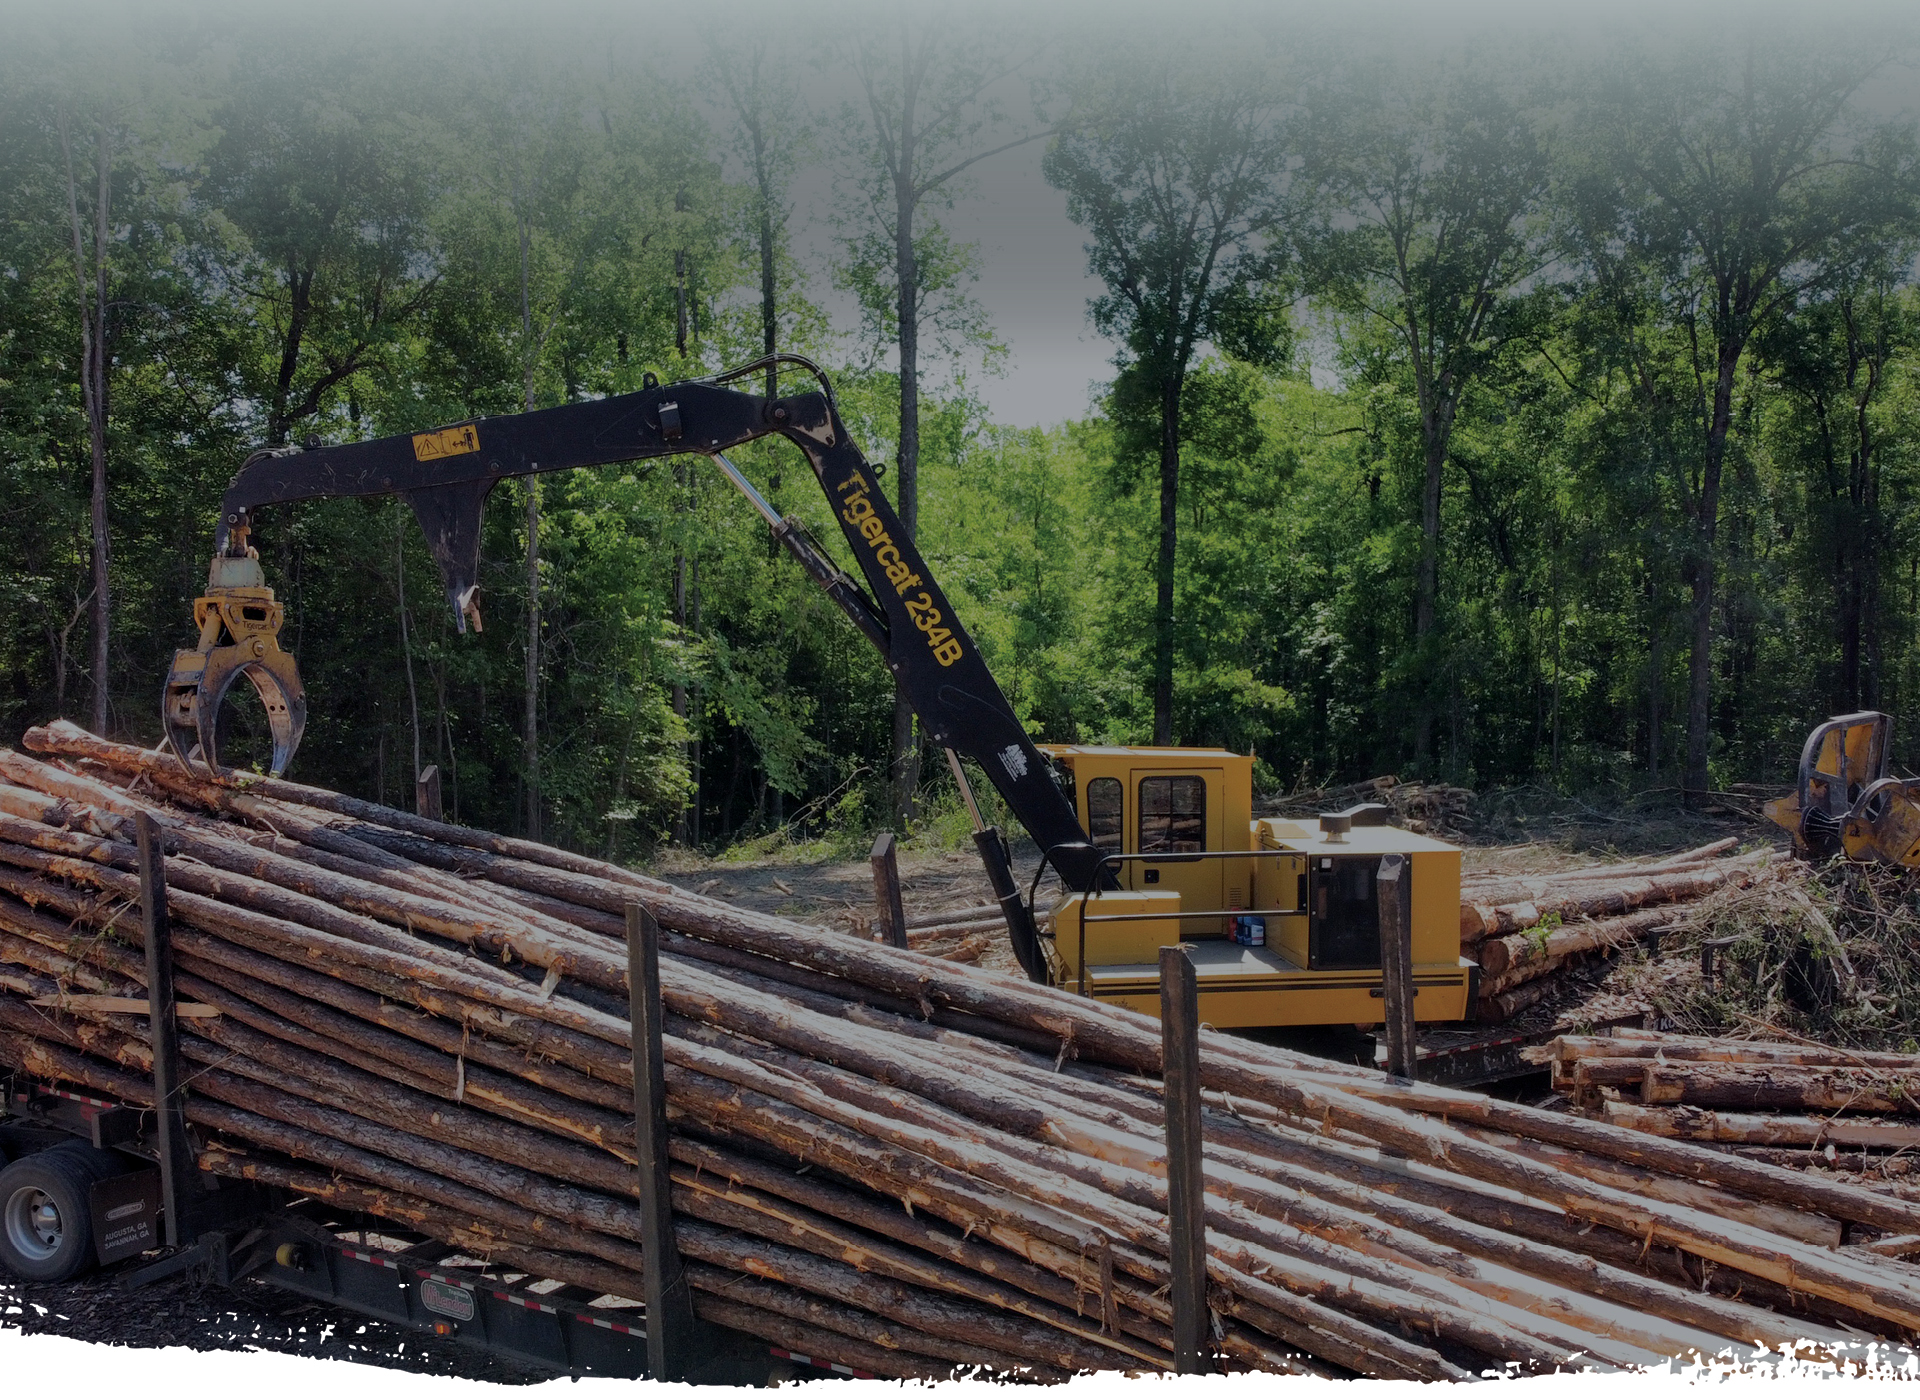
(1845, 802)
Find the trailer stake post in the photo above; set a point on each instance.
(1186, 1181)
(672, 1335)
(1396, 963)
(176, 1164)
(885, 860)
(426, 793)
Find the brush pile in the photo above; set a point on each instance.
(1523, 930)
(1814, 953)
(1434, 809)
(929, 1165)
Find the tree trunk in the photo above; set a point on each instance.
(1170, 391)
(1426, 589)
(97, 431)
(93, 387)
(769, 301)
(683, 823)
(406, 642)
(530, 720)
(1705, 526)
(1558, 645)
(696, 703)
(1859, 635)
(1655, 677)
(299, 307)
(906, 753)
(530, 731)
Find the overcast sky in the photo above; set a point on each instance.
(1033, 284)
(1033, 281)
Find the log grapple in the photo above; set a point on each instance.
(239, 622)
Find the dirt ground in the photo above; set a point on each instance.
(834, 894)
(827, 892)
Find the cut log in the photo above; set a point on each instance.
(1627, 1043)
(1707, 1085)
(1579, 902)
(1706, 852)
(982, 914)
(1504, 1006)
(124, 1006)
(876, 1329)
(1502, 958)
(1762, 1130)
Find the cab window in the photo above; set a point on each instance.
(1104, 822)
(1173, 815)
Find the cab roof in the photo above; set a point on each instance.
(1170, 755)
(1305, 836)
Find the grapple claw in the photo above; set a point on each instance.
(239, 625)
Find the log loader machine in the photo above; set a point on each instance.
(1153, 845)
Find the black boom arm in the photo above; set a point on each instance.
(447, 473)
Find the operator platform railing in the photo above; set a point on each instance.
(1112, 863)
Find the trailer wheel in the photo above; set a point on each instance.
(99, 1163)
(46, 1223)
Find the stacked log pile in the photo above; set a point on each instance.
(1522, 930)
(931, 1164)
(1745, 1092)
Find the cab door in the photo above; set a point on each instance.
(1175, 815)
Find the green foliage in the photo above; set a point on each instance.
(317, 237)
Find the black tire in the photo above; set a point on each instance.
(99, 1162)
(46, 1219)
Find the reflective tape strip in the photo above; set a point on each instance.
(529, 1304)
(80, 1098)
(823, 1365)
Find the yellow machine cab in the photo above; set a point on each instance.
(1282, 917)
